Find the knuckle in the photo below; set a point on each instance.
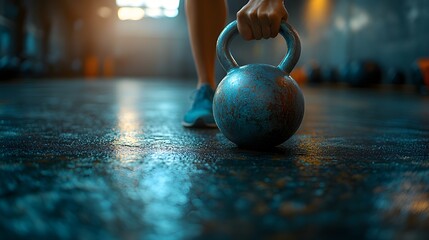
(281, 12)
(241, 14)
(263, 15)
(252, 15)
(275, 16)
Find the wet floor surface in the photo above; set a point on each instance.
(110, 160)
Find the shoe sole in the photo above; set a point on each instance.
(199, 123)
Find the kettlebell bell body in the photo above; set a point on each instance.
(258, 105)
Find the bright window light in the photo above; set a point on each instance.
(153, 4)
(150, 8)
(130, 3)
(171, 13)
(169, 4)
(154, 12)
(130, 13)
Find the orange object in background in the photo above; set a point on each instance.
(299, 75)
(424, 68)
(95, 67)
(91, 67)
(108, 67)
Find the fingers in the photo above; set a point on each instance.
(261, 19)
(275, 27)
(251, 26)
(275, 23)
(265, 26)
(256, 26)
(244, 26)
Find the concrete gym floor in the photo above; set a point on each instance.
(109, 160)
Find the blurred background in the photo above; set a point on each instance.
(361, 42)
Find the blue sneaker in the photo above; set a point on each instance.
(201, 113)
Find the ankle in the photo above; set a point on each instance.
(203, 83)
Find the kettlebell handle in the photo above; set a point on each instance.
(287, 31)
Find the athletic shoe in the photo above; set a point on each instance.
(201, 113)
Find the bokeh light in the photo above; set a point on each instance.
(130, 13)
(151, 8)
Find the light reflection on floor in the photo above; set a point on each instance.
(110, 160)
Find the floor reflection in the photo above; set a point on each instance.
(404, 201)
(129, 121)
(151, 176)
(165, 189)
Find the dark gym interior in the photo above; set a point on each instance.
(92, 94)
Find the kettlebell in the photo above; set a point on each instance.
(258, 105)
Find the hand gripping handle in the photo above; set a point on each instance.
(287, 31)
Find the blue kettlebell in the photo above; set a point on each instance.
(258, 105)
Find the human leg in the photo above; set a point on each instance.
(206, 19)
